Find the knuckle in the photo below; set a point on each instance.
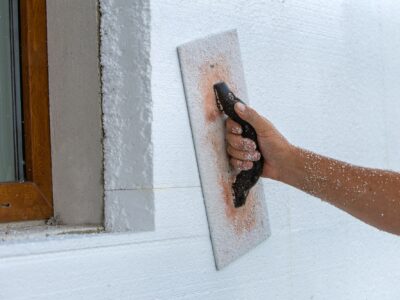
(229, 149)
(235, 162)
(243, 145)
(238, 143)
(230, 123)
(253, 155)
(235, 142)
(249, 165)
(245, 155)
(252, 115)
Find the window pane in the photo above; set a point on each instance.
(11, 163)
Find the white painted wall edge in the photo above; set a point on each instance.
(127, 115)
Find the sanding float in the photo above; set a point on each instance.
(212, 67)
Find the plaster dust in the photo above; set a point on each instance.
(234, 231)
(242, 219)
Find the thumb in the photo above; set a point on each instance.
(251, 116)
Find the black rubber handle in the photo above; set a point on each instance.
(246, 179)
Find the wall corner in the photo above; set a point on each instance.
(127, 115)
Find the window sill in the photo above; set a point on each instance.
(39, 230)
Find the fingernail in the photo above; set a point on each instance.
(257, 156)
(248, 166)
(249, 145)
(254, 156)
(250, 156)
(237, 130)
(241, 107)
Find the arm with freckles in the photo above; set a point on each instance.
(371, 195)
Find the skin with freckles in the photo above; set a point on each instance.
(371, 195)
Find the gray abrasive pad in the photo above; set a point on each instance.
(204, 62)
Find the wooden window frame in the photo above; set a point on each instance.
(32, 199)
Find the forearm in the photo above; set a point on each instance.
(371, 195)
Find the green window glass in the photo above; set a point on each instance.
(11, 137)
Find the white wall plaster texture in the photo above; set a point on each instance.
(125, 57)
(326, 73)
(390, 43)
(317, 71)
(128, 168)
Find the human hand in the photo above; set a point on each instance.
(272, 144)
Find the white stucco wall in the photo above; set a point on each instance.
(327, 74)
(127, 115)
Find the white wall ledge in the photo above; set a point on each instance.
(39, 231)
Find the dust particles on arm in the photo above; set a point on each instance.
(371, 195)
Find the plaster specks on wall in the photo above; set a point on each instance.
(127, 116)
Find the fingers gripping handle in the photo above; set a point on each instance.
(246, 179)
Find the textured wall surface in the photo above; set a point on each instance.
(128, 156)
(327, 74)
